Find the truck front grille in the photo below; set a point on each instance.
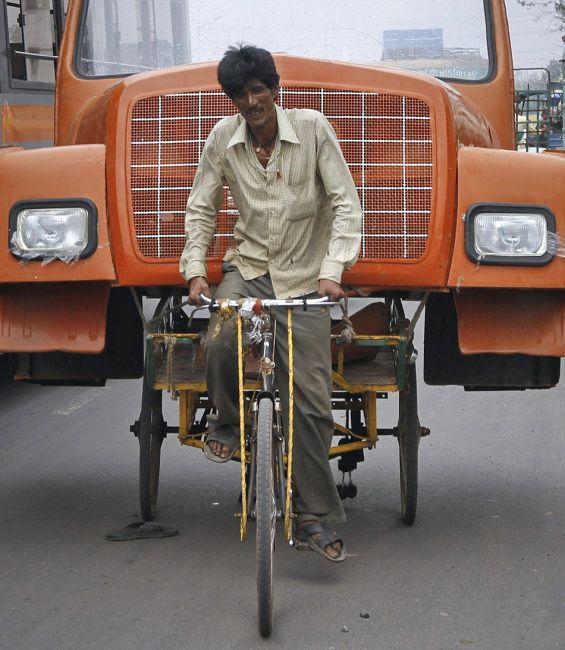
(386, 140)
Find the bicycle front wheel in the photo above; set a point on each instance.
(265, 512)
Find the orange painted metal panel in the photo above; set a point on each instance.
(21, 123)
(513, 177)
(508, 321)
(55, 173)
(68, 317)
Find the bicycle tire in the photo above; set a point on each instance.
(265, 511)
(150, 440)
(408, 444)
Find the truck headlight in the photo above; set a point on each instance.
(509, 234)
(64, 230)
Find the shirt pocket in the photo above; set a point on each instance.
(295, 167)
(302, 201)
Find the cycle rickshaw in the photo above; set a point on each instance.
(173, 346)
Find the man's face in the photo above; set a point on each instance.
(256, 103)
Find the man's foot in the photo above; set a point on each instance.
(322, 540)
(221, 444)
(219, 449)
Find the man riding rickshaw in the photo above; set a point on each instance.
(299, 227)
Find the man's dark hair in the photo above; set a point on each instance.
(245, 62)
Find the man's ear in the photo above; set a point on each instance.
(275, 93)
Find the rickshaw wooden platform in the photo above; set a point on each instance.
(186, 374)
(179, 369)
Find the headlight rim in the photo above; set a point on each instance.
(30, 204)
(515, 208)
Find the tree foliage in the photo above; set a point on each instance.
(555, 7)
(555, 70)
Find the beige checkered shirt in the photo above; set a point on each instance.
(299, 219)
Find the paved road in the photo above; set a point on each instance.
(483, 567)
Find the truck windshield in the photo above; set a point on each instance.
(444, 38)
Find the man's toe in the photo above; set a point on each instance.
(219, 449)
(332, 550)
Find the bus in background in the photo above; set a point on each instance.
(30, 32)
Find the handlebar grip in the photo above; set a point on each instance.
(317, 301)
(212, 303)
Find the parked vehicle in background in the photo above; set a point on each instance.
(556, 107)
(538, 110)
(531, 87)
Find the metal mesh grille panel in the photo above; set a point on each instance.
(386, 140)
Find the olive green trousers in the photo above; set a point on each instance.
(315, 493)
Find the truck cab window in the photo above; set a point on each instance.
(31, 29)
(447, 38)
(129, 36)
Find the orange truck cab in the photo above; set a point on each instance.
(421, 98)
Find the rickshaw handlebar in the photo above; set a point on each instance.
(213, 304)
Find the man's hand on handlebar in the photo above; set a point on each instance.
(198, 289)
(331, 289)
(196, 286)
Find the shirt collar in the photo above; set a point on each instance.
(286, 132)
(240, 135)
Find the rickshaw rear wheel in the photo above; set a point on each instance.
(265, 513)
(150, 436)
(408, 444)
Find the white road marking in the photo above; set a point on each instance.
(80, 401)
